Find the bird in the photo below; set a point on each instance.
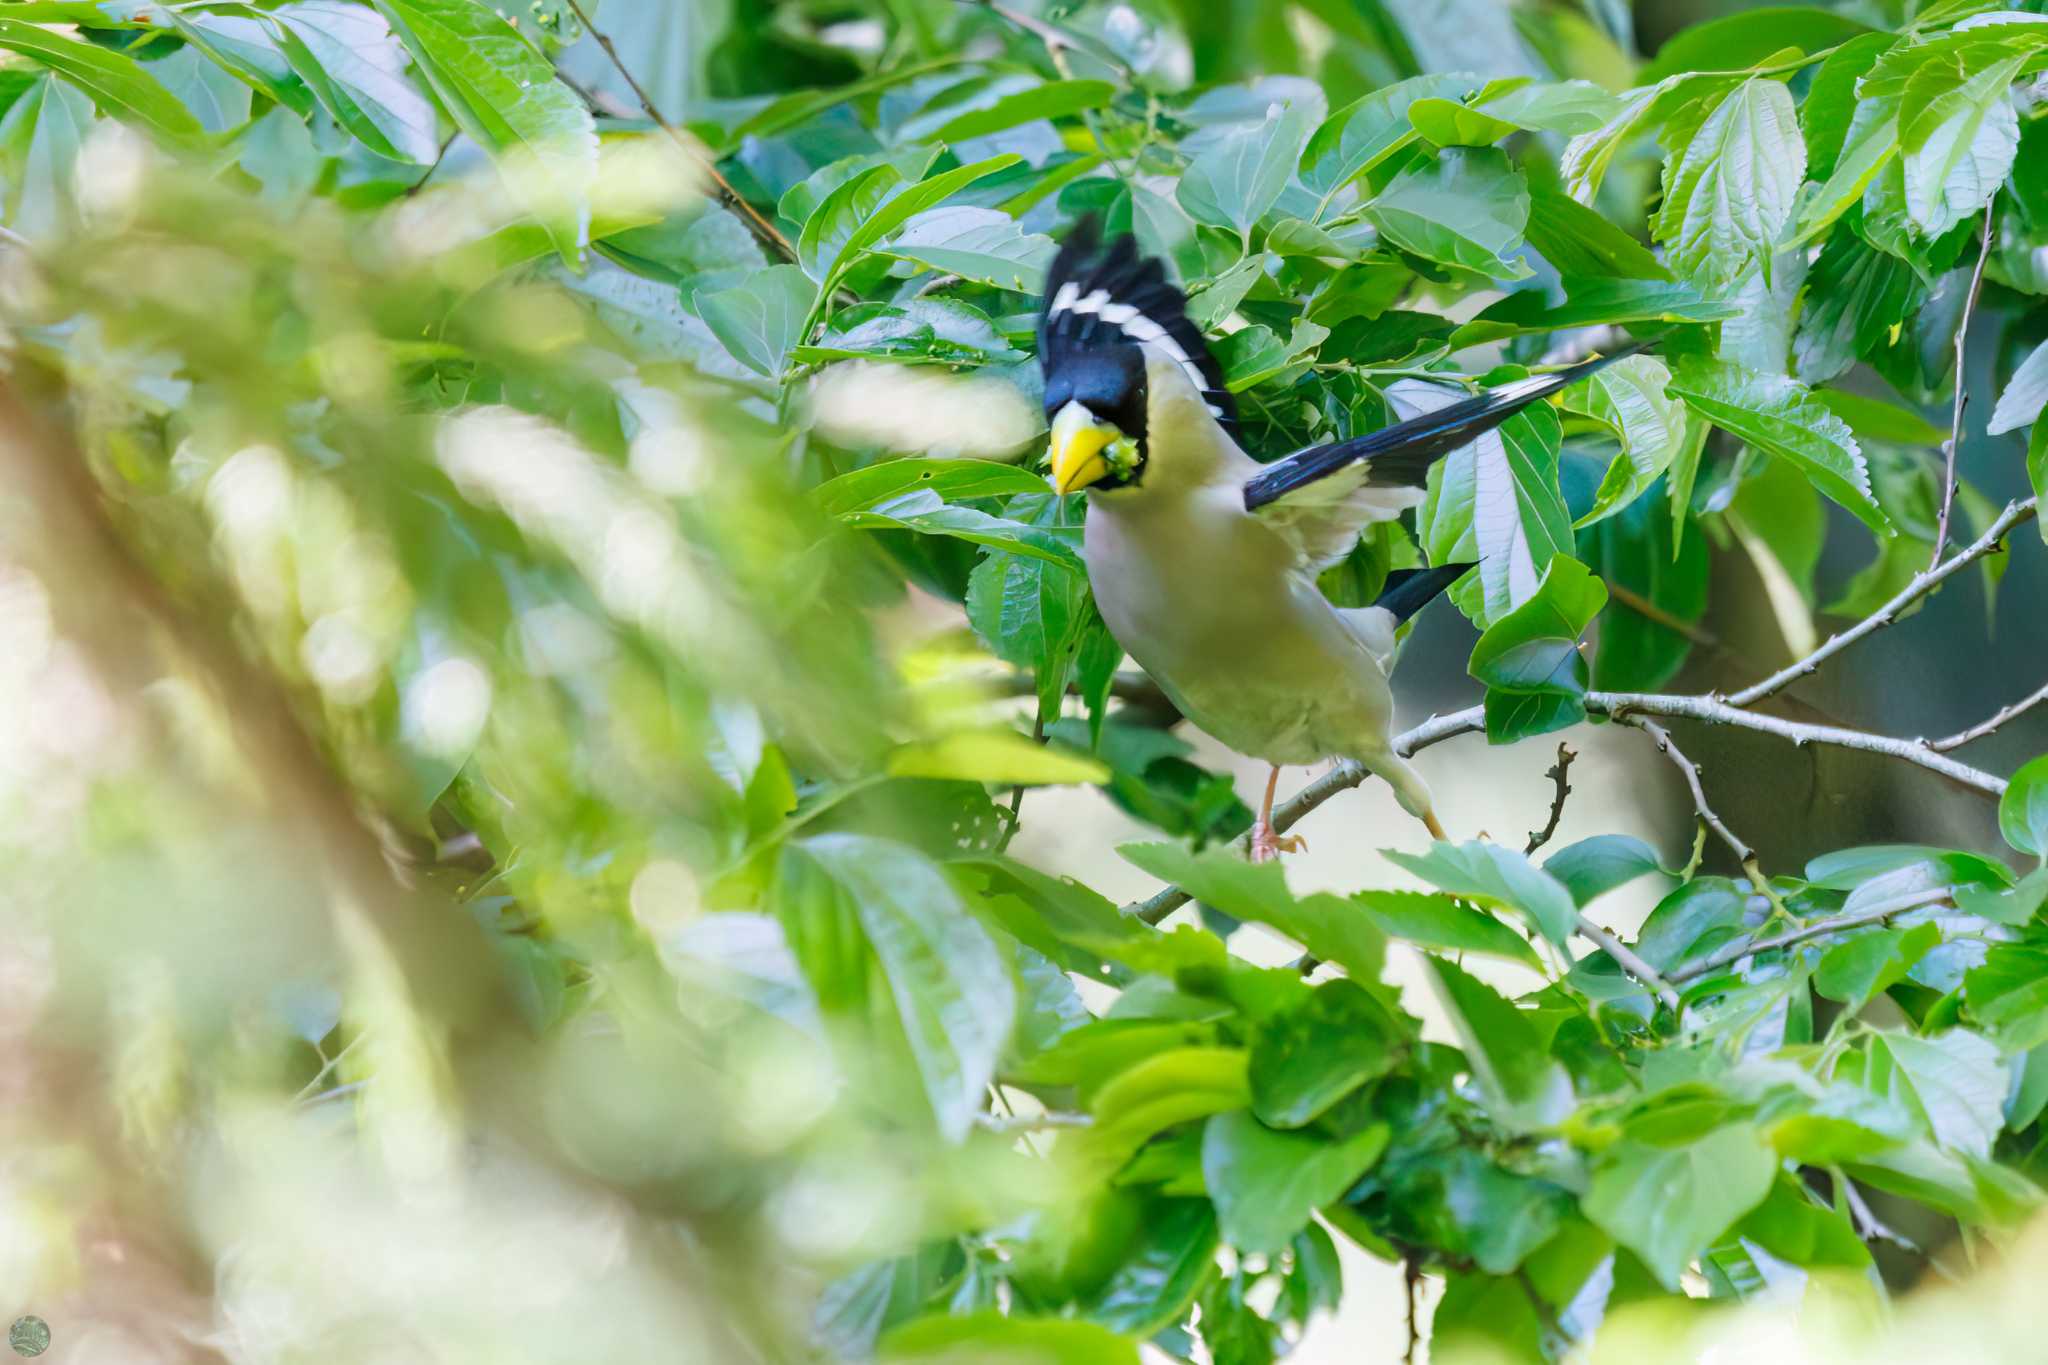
(1203, 560)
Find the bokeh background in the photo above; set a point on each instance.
(292, 1068)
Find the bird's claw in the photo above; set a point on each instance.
(1268, 844)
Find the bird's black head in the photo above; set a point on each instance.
(1103, 308)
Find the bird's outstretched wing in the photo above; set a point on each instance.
(1399, 456)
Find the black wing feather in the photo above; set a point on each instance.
(1402, 454)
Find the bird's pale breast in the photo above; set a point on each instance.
(1207, 600)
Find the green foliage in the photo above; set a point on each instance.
(671, 549)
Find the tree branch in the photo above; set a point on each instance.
(1626, 958)
(1556, 773)
(1714, 711)
(733, 199)
(1876, 914)
(1618, 706)
(1921, 584)
(1985, 727)
(1955, 430)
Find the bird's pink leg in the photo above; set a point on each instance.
(1267, 844)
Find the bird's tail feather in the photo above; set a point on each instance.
(1408, 591)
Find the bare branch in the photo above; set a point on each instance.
(1921, 584)
(1955, 430)
(1691, 771)
(1556, 773)
(1627, 959)
(1620, 706)
(1985, 727)
(732, 198)
(1744, 854)
(1717, 712)
(1875, 914)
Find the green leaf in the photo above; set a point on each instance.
(1593, 302)
(245, 47)
(1778, 416)
(1592, 867)
(1054, 99)
(40, 139)
(504, 95)
(1167, 1088)
(1584, 245)
(218, 100)
(1638, 549)
(1498, 1317)
(986, 1337)
(1739, 41)
(1497, 876)
(350, 60)
(1440, 922)
(1629, 398)
(1872, 150)
(1328, 926)
(1728, 196)
(1953, 1083)
(1690, 922)
(1867, 964)
(1957, 144)
(949, 984)
(2008, 995)
(994, 756)
(1159, 1278)
(2023, 810)
(1234, 180)
(1828, 110)
(1874, 419)
(1366, 132)
(1452, 123)
(1669, 1204)
(2025, 394)
(865, 209)
(117, 82)
(1466, 208)
(1568, 107)
(953, 480)
(1031, 613)
(1495, 501)
(1533, 651)
(761, 320)
(1307, 1058)
(1266, 1185)
(1524, 1088)
(982, 245)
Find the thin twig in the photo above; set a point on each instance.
(1010, 1122)
(1691, 771)
(1628, 960)
(1985, 727)
(1556, 773)
(1875, 914)
(1711, 710)
(1642, 606)
(1955, 430)
(1869, 1227)
(766, 230)
(1411, 1280)
(1920, 585)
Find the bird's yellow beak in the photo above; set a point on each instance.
(1079, 440)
